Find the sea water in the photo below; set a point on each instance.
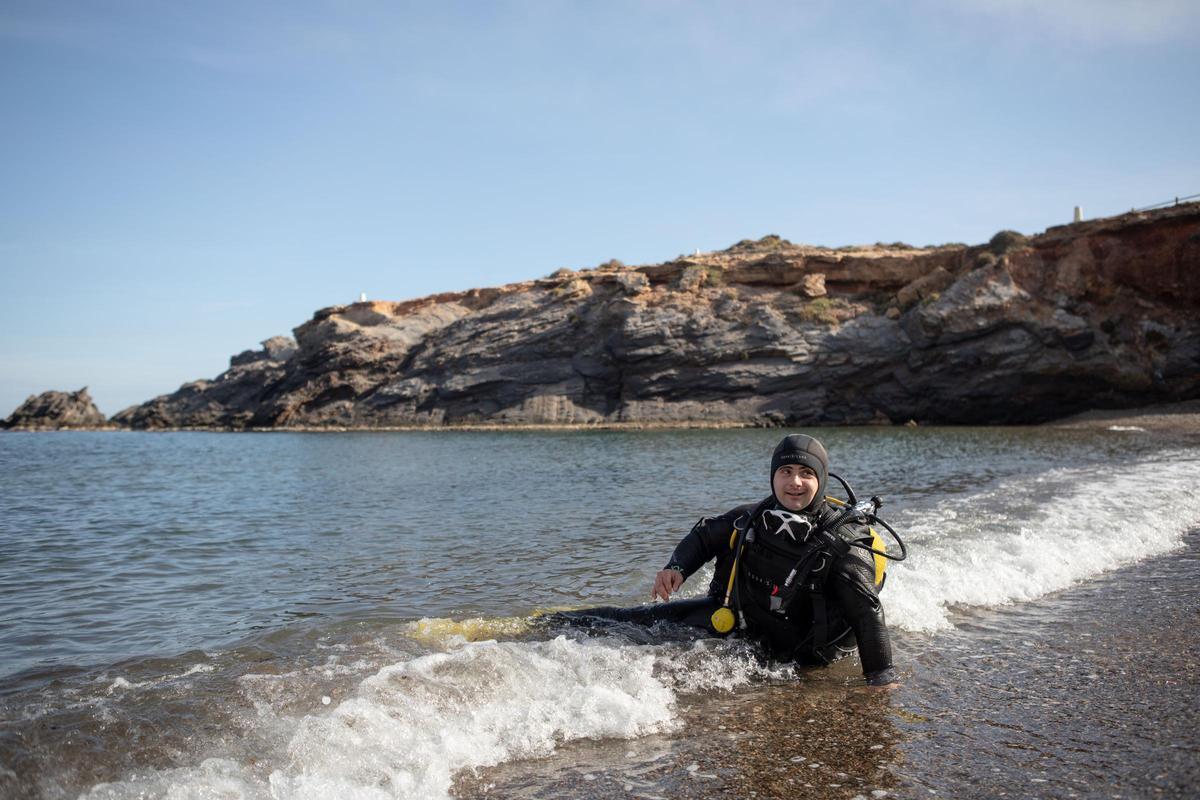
(295, 615)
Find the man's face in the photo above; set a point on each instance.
(795, 486)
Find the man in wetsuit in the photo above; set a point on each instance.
(802, 586)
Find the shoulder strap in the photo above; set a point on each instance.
(746, 519)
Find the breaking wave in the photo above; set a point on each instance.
(1026, 538)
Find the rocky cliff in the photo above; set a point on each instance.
(54, 410)
(1089, 315)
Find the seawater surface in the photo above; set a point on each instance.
(294, 615)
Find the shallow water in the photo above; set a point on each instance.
(282, 615)
(1090, 692)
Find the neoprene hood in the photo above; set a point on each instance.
(806, 451)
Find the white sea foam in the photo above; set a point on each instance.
(1028, 537)
(716, 664)
(120, 683)
(410, 727)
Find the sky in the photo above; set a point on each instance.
(179, 181)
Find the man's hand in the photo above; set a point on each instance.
(665, 582)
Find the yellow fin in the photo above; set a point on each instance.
(439, 629)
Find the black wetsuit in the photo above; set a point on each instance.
(820, 626)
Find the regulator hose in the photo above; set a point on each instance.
(866, 512)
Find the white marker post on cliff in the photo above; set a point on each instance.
(1078, 214)
(362, 297)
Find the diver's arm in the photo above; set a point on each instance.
(708, 539)
(854, 590)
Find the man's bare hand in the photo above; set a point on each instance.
(665, 582)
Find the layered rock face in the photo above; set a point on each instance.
(1100, 314)
(54, 410)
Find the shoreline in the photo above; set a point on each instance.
(470, 426)
(1177, 417)
(1181, 417)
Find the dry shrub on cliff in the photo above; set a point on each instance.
(714, 275)
(769, 243)
(1004, 241)
(612, 264)
(985, 259)
(824, 310)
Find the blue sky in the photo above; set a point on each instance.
(182, 180)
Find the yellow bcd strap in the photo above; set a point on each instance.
(723, 618)
(877, 543)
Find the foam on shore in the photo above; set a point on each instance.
(411, 726)
(1028, 537)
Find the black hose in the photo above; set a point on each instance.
(903, 549)
(871, 519)
(849, 492)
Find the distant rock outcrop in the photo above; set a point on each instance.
(55, 410)
(1101, 314)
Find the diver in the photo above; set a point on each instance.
(798, 572)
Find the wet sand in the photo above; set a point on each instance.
(1091, 692)
(1167, 418)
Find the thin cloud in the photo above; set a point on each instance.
(289, 44)
(225, 45)
(59, 34)
(219, 307)
(1093, 22)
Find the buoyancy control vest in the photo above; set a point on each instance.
(784, 566)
